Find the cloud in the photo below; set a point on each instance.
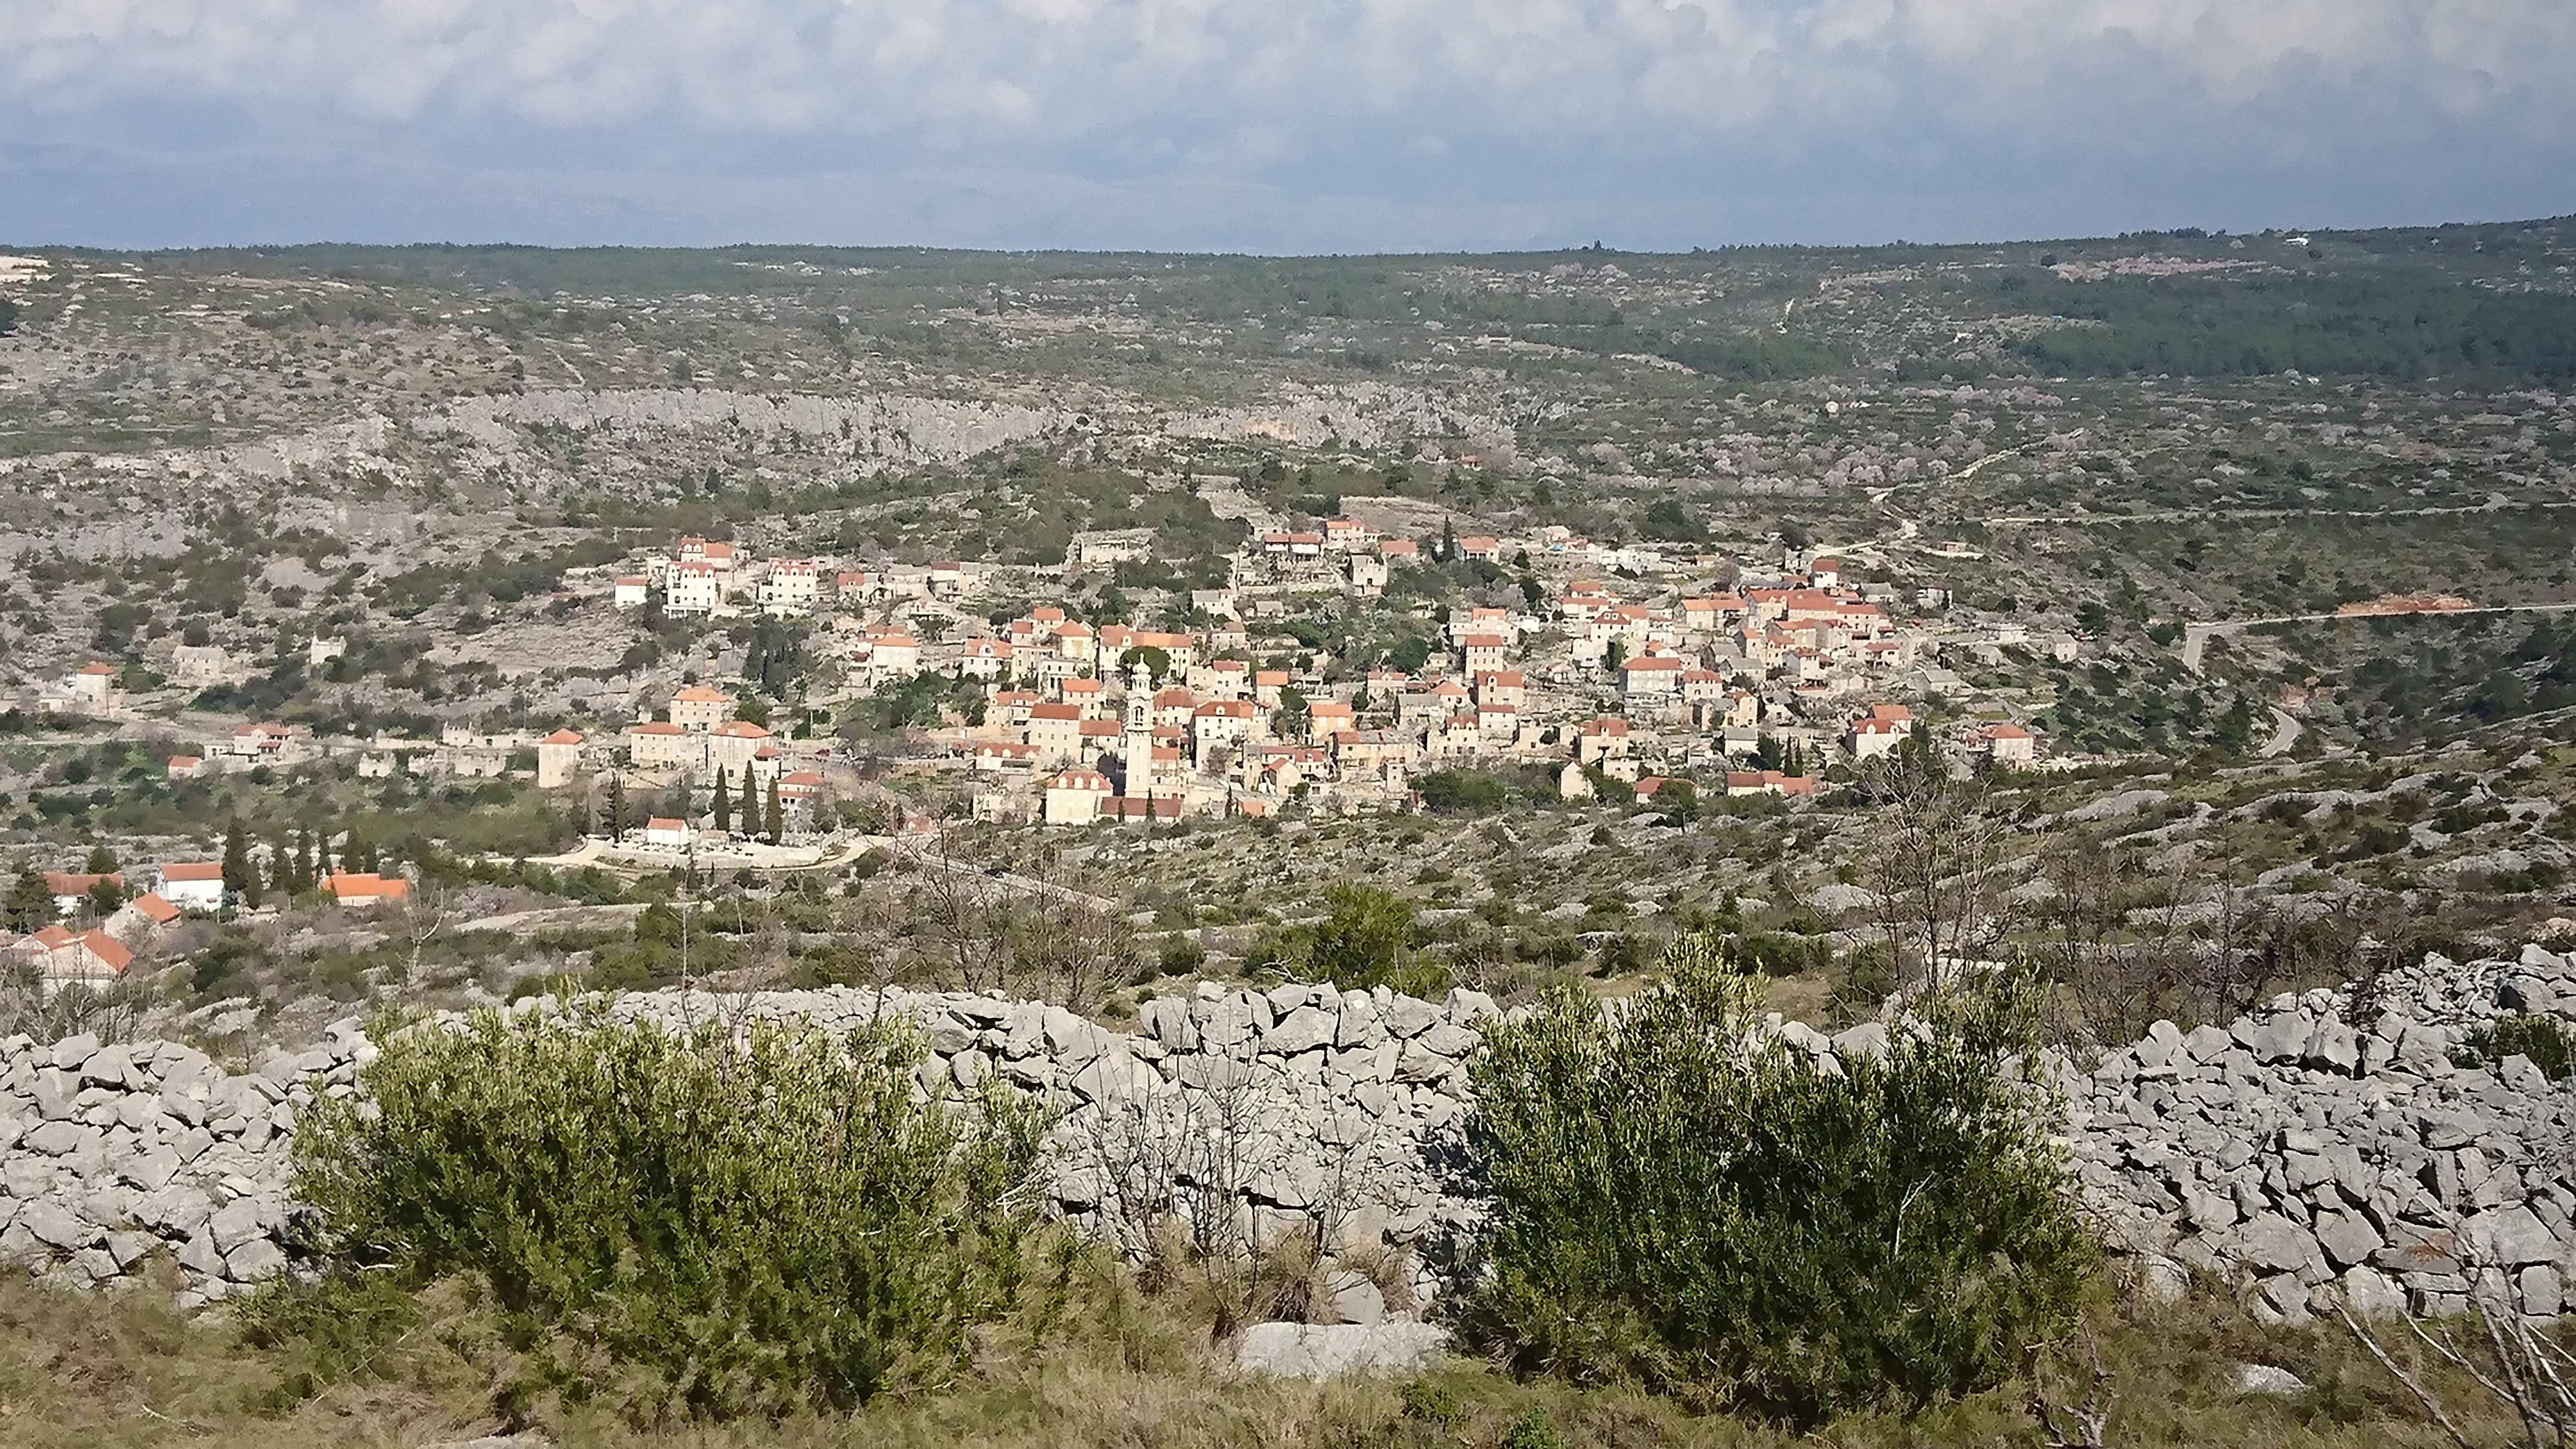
(1782, 109)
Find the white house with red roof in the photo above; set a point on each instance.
(1650, 680)
(2009, 744)
(191, 885)
(1221, 723)
(790, 587)
(365, 890)
(63, 956)
(1055, 732)
(1879, 732)
(1074, 797)
(693, 588)
(559, 758)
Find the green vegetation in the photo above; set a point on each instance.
(757, 1225)
(2400, 327)
(2543, 1040)
(1684, 1201)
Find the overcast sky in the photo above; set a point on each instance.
(1271, 125)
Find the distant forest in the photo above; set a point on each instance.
(2405, 326)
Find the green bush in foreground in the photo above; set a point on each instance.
(761, 1224)
(1682, 1200)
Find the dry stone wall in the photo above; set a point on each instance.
(113, 1152)
(2346, 1144)
(2337, 1143)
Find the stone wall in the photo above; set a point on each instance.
(2336, 1143)
(110, 1153)
(2329, 1142)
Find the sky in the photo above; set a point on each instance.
(1281, 126)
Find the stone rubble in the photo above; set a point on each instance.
(2326, 1144)
(2333, 1145)
(113, 1152)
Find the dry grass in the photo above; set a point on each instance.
(1126, 1370)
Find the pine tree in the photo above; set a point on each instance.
(237, 871)
(724, 803)
(777, 817)
(30, 904)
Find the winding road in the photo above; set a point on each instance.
(2195, 637)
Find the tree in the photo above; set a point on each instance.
(282, 861)
(1685, 1197)
(723, 802)
(1448, 541)
(777, 825)
(1365, 938)
(616, 807)
(102, 861)
(8, 316)
(105, 895)
(1767, 753)
(30, 903)
(1157, 662)
(237, 872)
(1667, 521)
(1940, 900)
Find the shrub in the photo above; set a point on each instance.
(760, 1223)
(2544, 1039)
(1683, 1199)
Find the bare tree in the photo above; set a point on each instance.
(2081, 1424)
(953, 905)
(427, 909)
(1935, 872)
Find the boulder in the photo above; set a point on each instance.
(2509, 1237)
(2272, 1242)
(255, 1261)
(1303, 1029)
(1329, 1351)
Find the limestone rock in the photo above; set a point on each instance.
(1329, 1351)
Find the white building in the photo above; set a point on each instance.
(791, 586)
(694, 588)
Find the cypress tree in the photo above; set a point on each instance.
(724, 802)
(616, 807)
(777, 818)
(281, 865)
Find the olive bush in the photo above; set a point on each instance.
(1684, 1199)
(763, 1220)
